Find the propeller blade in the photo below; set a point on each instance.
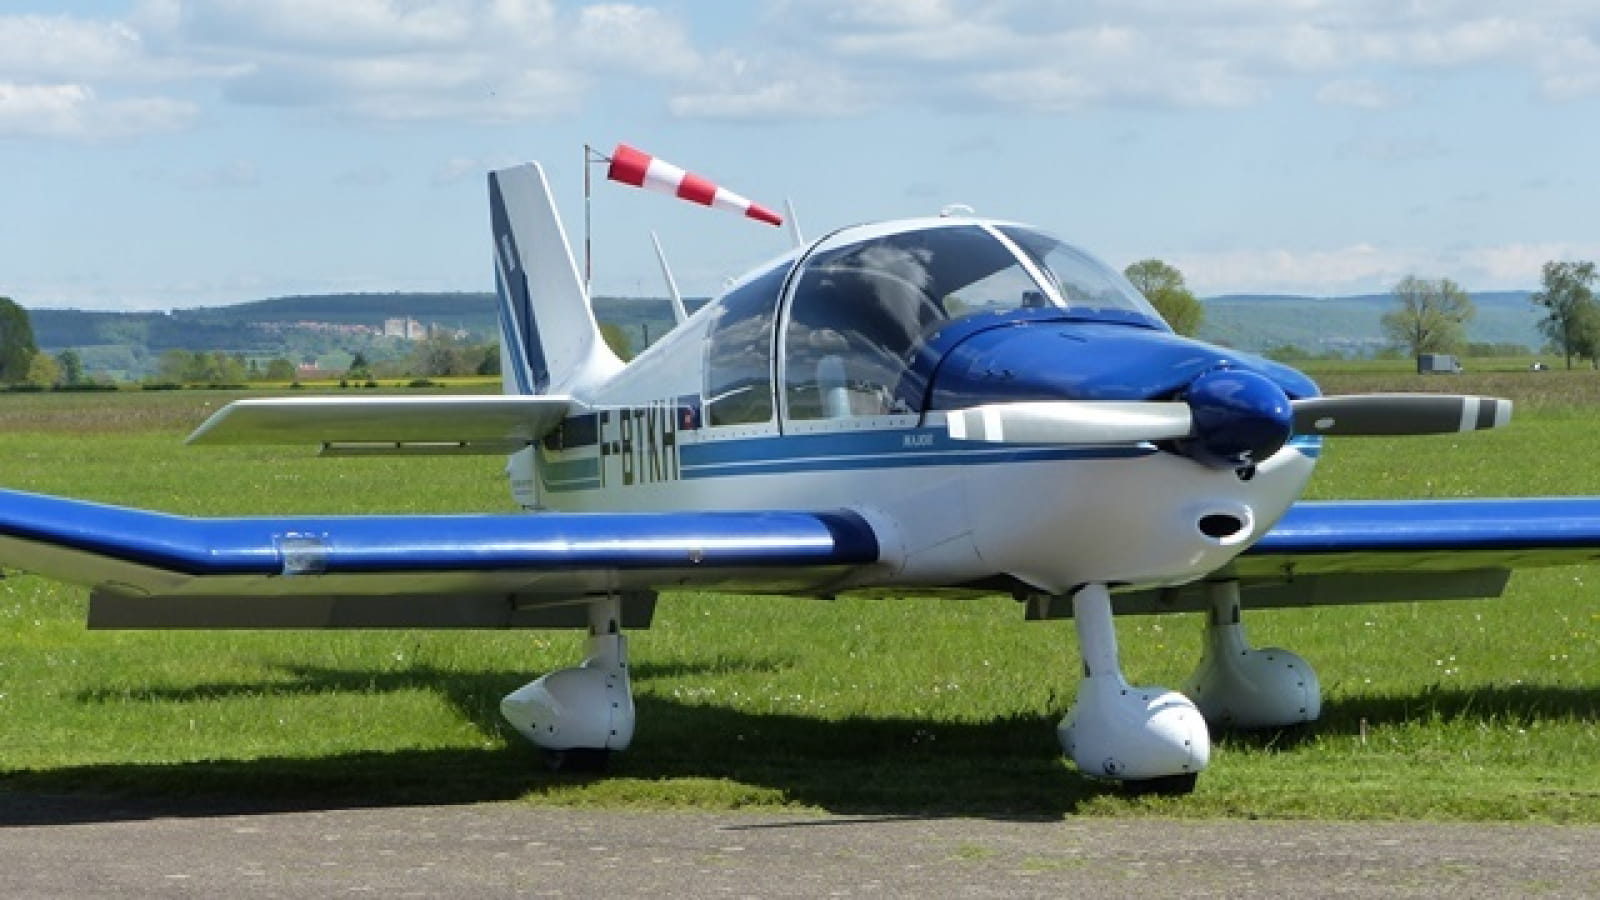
(1395, 414)
(1071, 422)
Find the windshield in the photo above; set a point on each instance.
(1085, 283)
(860, 310)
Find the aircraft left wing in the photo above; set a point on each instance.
(469, 424)
(150, 569)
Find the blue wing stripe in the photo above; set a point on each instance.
(1409, 526)
(442, 543)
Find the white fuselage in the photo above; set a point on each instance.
(948, 513)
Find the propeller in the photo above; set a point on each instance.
(1227, 419)
(1071, 422)
(1395, 414)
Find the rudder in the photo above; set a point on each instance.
(549, 339)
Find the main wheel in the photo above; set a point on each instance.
(1166, 786)
(578, 760)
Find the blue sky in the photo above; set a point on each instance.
(175, 153)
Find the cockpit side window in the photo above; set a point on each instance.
(739, 352)
(859, 311)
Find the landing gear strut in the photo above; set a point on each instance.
(1239, 686)
(579, 715)
(1150, 738)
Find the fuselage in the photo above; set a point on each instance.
(824, 379)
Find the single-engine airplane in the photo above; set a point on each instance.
(950, 404)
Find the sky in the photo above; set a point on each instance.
(158, 154)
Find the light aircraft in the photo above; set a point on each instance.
(955, 404)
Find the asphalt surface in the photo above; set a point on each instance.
(83, 847)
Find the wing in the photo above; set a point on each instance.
(1329, 553)
(473, 423)
(150, 569)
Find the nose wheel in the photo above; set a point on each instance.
(1149, 738)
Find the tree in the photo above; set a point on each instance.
(1571, 321)
(1163, 286)
(1429, 316)
(490, 364)
(280, 369)
(71, 367)
(617, 339)
(174, 366)
(16, 341)
(43, 370)
(199, 367)
(437, 356)
(360, 368)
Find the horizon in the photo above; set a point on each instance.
(159, 154)
(1203, 298)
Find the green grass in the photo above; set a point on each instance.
(1459, 710)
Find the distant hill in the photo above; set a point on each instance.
(302, 328)
(126, 344)
(1350, 324)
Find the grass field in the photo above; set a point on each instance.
(1459, 710)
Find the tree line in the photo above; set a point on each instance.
(22, 363)
(1430, 315)
(20, 359)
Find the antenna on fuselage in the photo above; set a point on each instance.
(794, 223)
(679, 314)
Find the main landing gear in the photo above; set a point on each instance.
(1239, 686)
(1156, 740)
(579, 715)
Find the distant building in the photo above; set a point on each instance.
(409, 329)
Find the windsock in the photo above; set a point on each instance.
(640, 169)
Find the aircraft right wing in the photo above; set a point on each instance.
(488, 424)
(154, 570)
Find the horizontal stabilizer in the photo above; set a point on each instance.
(440, 424)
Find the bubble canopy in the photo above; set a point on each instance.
(866, 304)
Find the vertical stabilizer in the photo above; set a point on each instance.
(549, 340)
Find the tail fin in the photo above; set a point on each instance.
(549, 340)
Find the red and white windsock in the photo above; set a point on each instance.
(635, 167)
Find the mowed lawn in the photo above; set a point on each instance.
(1481, 709)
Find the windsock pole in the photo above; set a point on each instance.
(590, 157)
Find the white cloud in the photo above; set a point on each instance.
(518, 60)
(1366, 268)
(301, 25)
(1360, 93)
(739, 93)
(74, 111)
(60, 47)
(627, 39)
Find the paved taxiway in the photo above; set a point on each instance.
(83, 847)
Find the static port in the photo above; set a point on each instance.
(1219, 526)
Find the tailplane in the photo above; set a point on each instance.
(549, 340)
